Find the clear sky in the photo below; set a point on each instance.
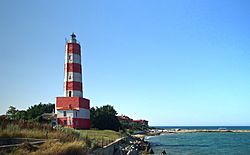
(172, 62)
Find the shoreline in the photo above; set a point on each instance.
(206, 130)
(157, 132)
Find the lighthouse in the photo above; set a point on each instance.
(72, 109)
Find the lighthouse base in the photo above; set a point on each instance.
(73, 112)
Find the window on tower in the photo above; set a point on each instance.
(69, 93)
(65, 122)
(64, 113)
(70, 57)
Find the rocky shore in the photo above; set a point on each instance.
(137, 145)
(134, 145)
(129, 145)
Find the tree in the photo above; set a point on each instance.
(16, 114)
(104, 118)
(92, 117)
(37, 110)
(21, 115)
(11, 113)
(33, 112)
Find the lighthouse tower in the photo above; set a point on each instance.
(72, 109)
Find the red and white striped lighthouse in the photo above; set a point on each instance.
(73, 110)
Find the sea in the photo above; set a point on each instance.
(202, 143)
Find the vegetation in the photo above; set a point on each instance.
(100, 135)
(28, 124)
(76, 147)
(49, 148)
(104, 118)
(53, 147)
(33, 112)
(32, 130)
(60, 140)
(29, 129)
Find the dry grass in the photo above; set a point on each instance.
(14, 131)
(100, 134)
(60, 141)
(92, 137)
(99, 138)
(53, 147)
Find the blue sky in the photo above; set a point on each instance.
(171, 62)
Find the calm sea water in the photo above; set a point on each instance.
(207, 143)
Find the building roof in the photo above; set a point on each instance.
(140, 121)
(124, 117)
(49, 116)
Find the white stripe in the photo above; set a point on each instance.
(82, 113)
(66, 54)
(74, 93)
(73, 76)
(71, 57)
(60, 114)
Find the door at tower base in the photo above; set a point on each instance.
(73, 112)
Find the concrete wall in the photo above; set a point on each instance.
(111, 149)
(14, 142)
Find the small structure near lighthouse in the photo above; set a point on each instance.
(73, 110)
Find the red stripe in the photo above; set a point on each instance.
(74, 48)
(74, 102)
(78, 123)
(73, 67)
(82, 123)
(84, 103)
(73, 85)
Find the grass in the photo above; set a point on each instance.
(63, 134)
(61, 141)
(100, 134)
(53, 147)
(99, 138)
(76, 147)
(14, 131)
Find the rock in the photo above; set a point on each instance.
(150, 151)
(147, 148)
(163, 152)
